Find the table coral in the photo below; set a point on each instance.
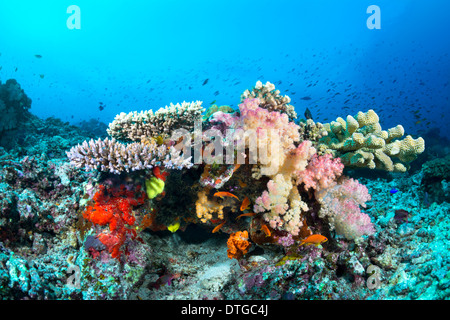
(135, 125)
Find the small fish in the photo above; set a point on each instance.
(222, 194)
(306, 98)
(250, 214)
(42, 76)
(314, 239)
(308, 114)
(205, 82)
(245, 204)
(213, 102)
(100, 107)
(38, 56)
(393, 190)
(266, 230)
(217, 228)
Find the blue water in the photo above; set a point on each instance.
(134, 55)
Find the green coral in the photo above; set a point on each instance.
(360, 142)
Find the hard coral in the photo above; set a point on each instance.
(361, 142)
(238, 244)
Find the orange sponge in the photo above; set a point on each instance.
(238, 244)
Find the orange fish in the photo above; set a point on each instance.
(245, 204)
(222, 194)
(250, 214)
(217, 228)
(314, 239)
(266, 230)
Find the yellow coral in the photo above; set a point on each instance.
(206, 208)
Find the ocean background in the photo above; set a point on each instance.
(138, 55)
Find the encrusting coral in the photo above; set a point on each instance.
(361, 142)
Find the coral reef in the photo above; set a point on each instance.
(127, 217)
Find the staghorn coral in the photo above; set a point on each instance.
(109, 155)
(270, 99)
(238, 244)
(361, 142)
(136, 125)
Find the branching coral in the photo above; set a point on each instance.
(270, 99)
(136, 125)
(361, 142)
(109, 155)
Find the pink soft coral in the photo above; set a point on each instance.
(341, 205)
(321, 172)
